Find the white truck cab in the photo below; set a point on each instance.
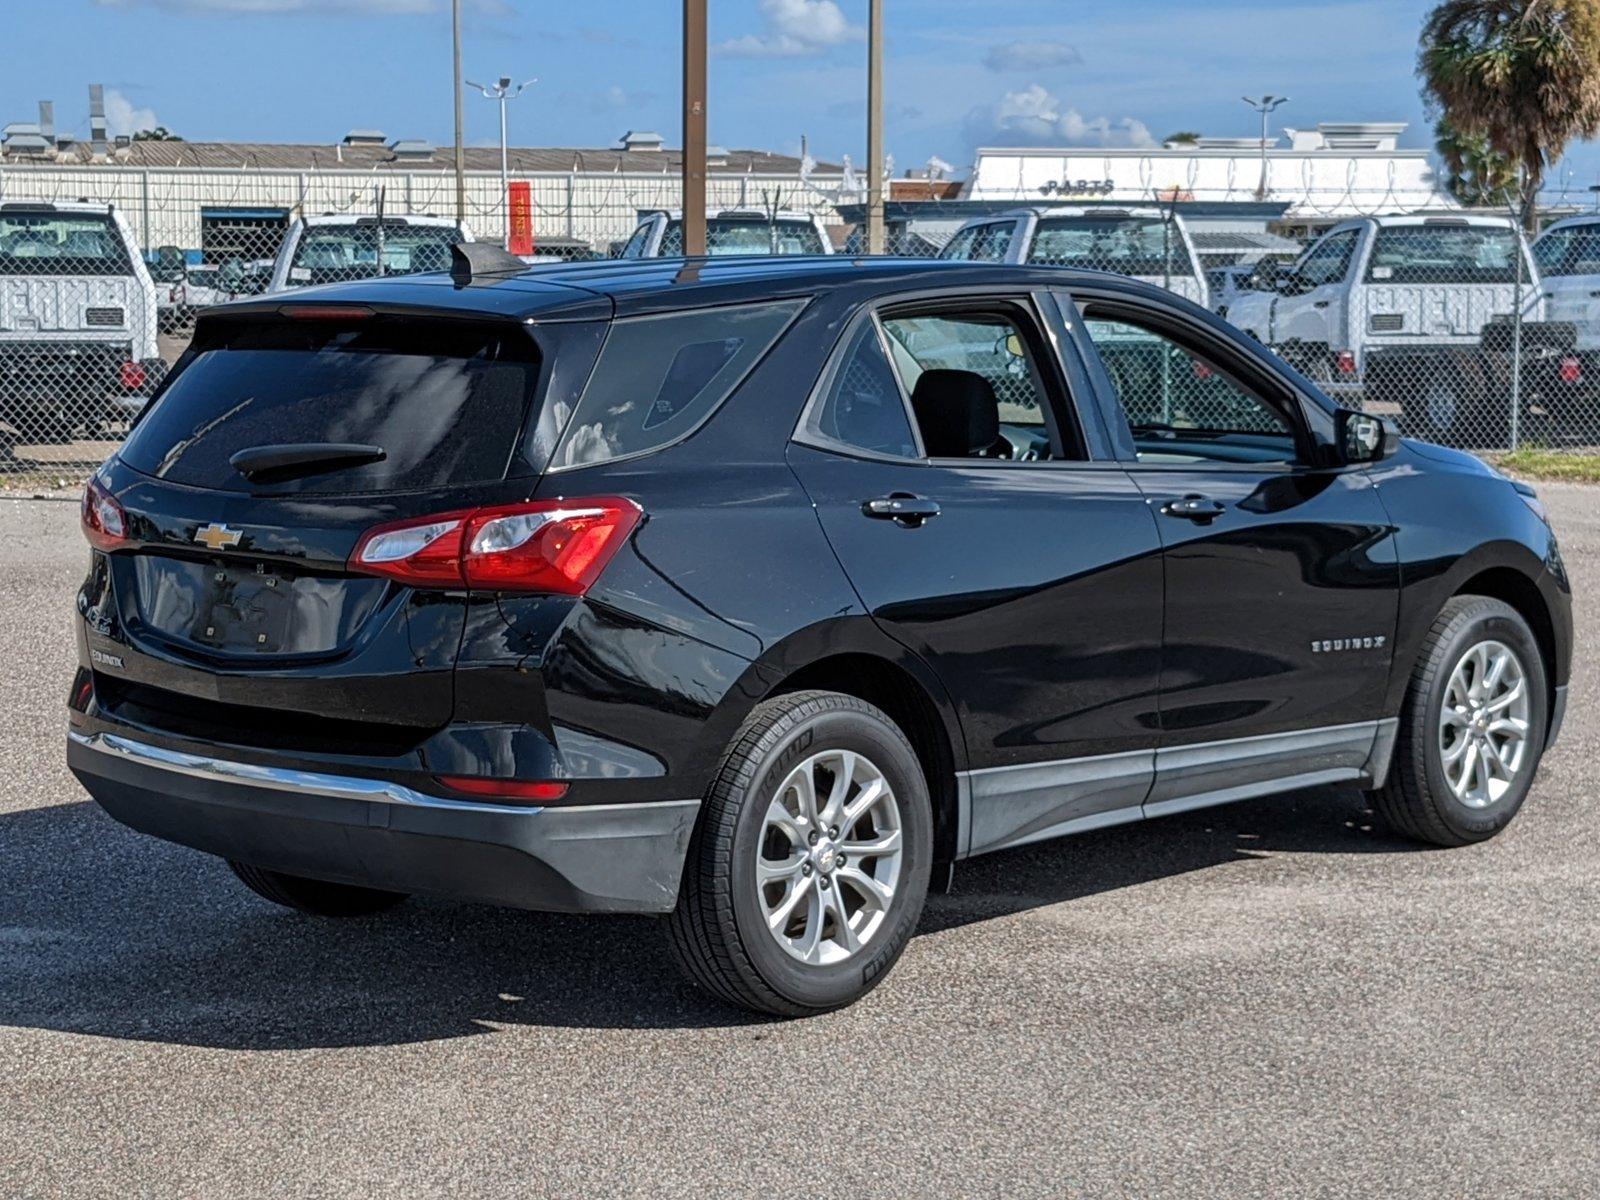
(659, 233)
(1394, 308)
(77, 319)
(1567, 255)
(1147, 243)
(340, 247)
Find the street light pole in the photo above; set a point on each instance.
(1264, 106)
(503, 91)
(875, 239)
(461, 154)
(694, 128)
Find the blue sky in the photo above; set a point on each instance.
(959, 73)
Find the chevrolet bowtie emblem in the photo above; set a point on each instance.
(217, 537)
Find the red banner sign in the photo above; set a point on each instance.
(519, 202)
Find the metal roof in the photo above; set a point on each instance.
(365, 157)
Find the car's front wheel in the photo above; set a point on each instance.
(809, 868)
(1472, 727)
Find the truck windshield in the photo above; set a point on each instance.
(1144, 246)
(755, 236)
(1444, 254)
(338, 253)
(49, 243)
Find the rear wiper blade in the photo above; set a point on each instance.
(269, 464)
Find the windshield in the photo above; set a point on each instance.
(338, 253)
(754, 236)
(444, 401)
(1144, 246)
(47, 243)
(1444, 254)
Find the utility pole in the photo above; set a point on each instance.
(694, 128)
(503, 91)
(1264, 106)
(875, 240)
(461, 154)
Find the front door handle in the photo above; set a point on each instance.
(902, 508)
(1319, 304)
(1194, 507)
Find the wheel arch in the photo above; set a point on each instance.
(1516, 588)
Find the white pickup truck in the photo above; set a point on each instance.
(659, 234)
(77, 320)
(341, 247)
(1394, 310)
(1149, 244)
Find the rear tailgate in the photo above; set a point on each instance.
(234, 592)
(1401, 314)
(68, 307)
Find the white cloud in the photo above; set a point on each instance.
(1034, 117)
(1030, 56)
(124, 118)
(793, 28)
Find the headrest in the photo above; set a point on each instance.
(957, 413)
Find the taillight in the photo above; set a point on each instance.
(1345, 363)
(1202, 370)
(552, 546)
(1571, 369)
(133, 376)
(104, 522)
(505, 791)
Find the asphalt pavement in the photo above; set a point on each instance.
(1277, 998)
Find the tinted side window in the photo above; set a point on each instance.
(863, 406)
(960, 246)
(1183, 406)
(993, 241)
(659, 377)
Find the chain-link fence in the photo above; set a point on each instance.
(1452, 324)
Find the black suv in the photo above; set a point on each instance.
(757, 592)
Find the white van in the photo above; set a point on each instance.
(77, 319)
(1148, 244)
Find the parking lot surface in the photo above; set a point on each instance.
(1275, 998)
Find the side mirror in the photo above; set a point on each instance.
(1364, 438)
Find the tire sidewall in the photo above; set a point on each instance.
(1502, 625)
(832, 986)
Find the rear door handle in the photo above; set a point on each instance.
(1319, 304)
(1201, 509)
(902, 508)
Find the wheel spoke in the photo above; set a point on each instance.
(770, 871)
(884, 843)
(1506, 699)
(1509, 727)
(811, 941)
(870, 890)
(1453, 755)
(778, 917)
(780, 818)
(844, 776)
(1496, 672)
(846, 937)
(1456, 717)
(865, 799)
(805, 789)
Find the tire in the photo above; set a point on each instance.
(1419, 799)
(1447, 402)
(719, 932)
(315, 896)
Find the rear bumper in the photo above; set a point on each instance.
(376, 833)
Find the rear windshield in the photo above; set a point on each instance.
(445, 402)
(725, 236)
(363, 250)
(61, 244)
(1128, 246)
(1443, 254)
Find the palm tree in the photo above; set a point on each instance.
(1476, 174)
(1523, 75)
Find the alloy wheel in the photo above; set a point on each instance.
(1484, 724)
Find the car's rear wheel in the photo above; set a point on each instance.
(315, 896)
(1472, 727)
(809, 868)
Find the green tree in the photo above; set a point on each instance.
(1523, 75)
(1184, 137)
(159, 134)
(1476, 174)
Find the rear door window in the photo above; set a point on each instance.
(659, 377)
(52, 243)
(863, 406)
(444, 401)
(1444, 254)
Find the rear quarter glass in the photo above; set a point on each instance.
(445, 400)
(659, 377)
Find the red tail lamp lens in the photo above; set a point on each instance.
(104, 522)
(1346, 362)
(1571, 369)
(133, 376)
(548, 546)
(507, 791)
